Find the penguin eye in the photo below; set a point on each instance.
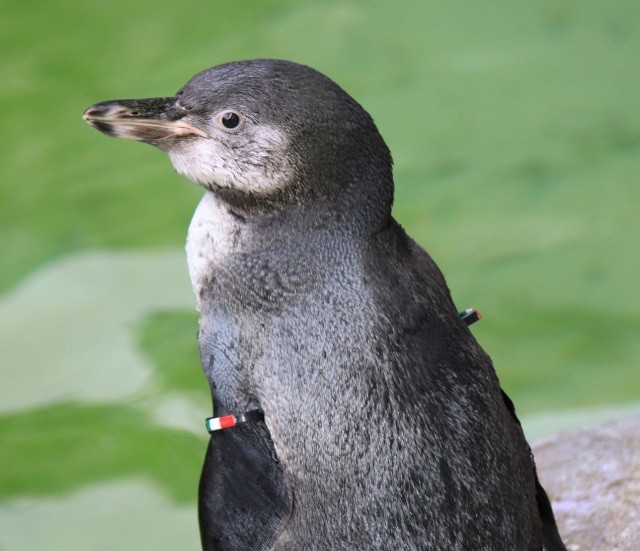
(230, 120)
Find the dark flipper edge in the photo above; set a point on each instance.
(550, 535)
(244, 499)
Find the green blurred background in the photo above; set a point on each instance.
(515, 129)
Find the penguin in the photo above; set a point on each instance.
(356, 409)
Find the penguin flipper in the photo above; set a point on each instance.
(244, 498)
(551, 539)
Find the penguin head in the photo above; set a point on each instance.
(261, 131)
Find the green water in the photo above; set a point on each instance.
(515, 129)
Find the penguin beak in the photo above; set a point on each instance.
(145, 120)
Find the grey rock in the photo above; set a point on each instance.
(592, 477)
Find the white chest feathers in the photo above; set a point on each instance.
(212, 233)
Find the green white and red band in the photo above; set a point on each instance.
(214, 424)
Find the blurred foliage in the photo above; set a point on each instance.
(59, 448)
(169, 338)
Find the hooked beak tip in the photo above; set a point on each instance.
(107, 110)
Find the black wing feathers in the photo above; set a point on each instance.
(245, 500)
